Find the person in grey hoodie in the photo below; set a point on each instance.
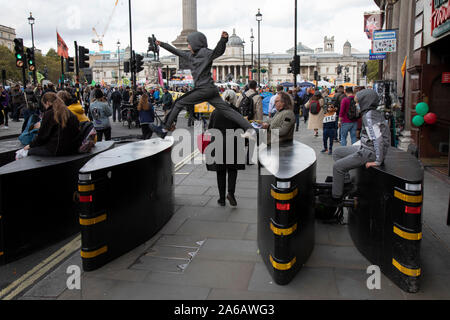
(375, 142)
(200, 59)
(100, 112)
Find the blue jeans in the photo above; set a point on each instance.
(345, 129)
(328, 134)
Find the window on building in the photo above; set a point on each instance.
(279, 70)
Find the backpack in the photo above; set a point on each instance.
(28, 135)
(88, 135)
(314, 107)
(353, 113)
(337, 101)
(246, 106)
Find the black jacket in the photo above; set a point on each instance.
(57, 140)
(219, 122)
(202, 58)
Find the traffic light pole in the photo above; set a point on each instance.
(133, 74)
(77, 70)
(62, 72)
(295, 46)
(24, 77)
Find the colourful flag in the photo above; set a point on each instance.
(404, 67)
(39, 77)
(161, 81)
(63, 50)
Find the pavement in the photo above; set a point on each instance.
(207, 252)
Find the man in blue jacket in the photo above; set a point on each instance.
(200, 59)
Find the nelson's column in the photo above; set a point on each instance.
(189, 26)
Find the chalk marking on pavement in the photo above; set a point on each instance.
(29, 279)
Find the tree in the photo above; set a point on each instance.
(8, 63)
(372, 70)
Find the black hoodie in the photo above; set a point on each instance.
(202, 58)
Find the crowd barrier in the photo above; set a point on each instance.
(286, 208)
(386, 226)
(38, 201)
(125, 196)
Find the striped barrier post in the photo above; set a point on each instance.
(286, 209)
(386, 226)
(126, 196)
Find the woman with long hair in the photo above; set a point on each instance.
(315, 120)
(59, 130)
(146, 115)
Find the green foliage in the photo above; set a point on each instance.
(372, 70)
(51, 60)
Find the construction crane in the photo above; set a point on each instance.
(99, 38)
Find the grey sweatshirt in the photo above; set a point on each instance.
(375, 135)
(202, 58)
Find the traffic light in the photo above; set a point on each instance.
(296, 65)
(20, 56)
(139, 63)
(70, 64)
(30, 60)
(291, 68)
(126, 66)
(83, 57)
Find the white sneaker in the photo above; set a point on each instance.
(5, 127)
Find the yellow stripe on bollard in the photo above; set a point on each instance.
(283, 196)
(93, 254)
(407, 271)
(1, 253)
(282, 266)
(408, 198)
(90, 222)
(282, 232)
(86, 188)
(407, 235)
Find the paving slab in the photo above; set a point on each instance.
(209, 229)
(229, 250)
(208, 274)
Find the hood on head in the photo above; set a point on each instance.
(367, 99)
(197, 40)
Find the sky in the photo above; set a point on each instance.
(74, 21)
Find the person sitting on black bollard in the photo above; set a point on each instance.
(201, 59)
(59, 130)
(375, 141)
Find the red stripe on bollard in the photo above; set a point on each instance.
(412, 210)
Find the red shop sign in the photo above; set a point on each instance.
(446, 77)
(440, 17)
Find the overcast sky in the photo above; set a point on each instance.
(342, 19)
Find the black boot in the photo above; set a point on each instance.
(232, 199)
(221, 202)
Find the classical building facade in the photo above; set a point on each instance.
(7, 36)
(236, 65)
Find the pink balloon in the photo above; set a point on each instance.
(430, 118)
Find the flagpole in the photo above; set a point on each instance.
(62, 72)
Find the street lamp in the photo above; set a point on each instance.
(31, 22)
(259, 18)
(243, 60)
(118, 56)
(252, 39)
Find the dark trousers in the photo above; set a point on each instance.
(305, 113)
(116, 110)
(146, 131)
(101, 132)
(16, 111)
(5, 112)
(222, 179)
(40, 151)
(297, 121)
(328, 134)
(210, 95)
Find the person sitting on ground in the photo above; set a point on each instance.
(59, 130)
(375, 142)
(223, 166)
(100, 112)
(146, 115)
(284, 119)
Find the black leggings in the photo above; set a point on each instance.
(222, 179)
(106, 132)
(146, 131)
